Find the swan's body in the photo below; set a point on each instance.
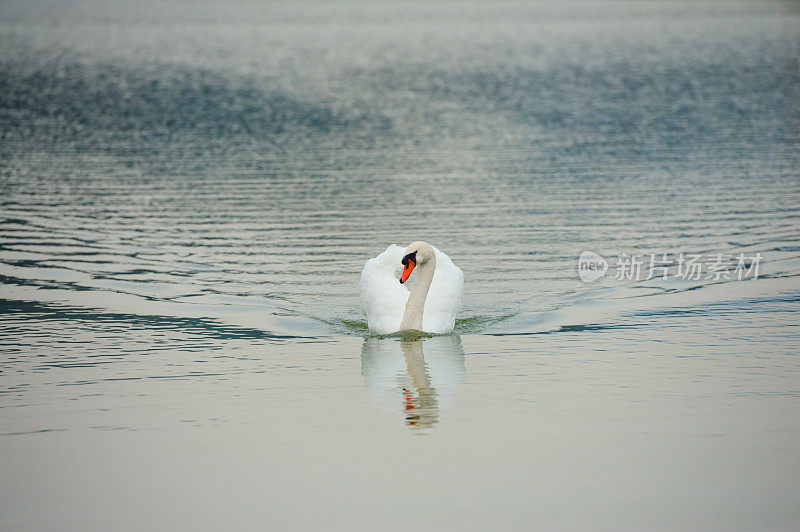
(428, 302)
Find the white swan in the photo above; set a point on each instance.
(428, 302)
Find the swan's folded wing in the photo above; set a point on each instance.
(444, 297)
(383, 298)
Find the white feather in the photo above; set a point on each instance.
(383, 298)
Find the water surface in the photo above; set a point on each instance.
(189, 193)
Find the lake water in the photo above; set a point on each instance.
(189, 193)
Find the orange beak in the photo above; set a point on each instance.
(407, 271)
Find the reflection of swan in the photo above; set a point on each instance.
(415, 372)
(430, 304)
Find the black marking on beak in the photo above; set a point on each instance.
(412, 256)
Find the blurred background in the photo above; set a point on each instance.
(241, 162)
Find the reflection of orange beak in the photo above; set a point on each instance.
(407, 271)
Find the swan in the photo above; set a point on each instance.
(428, 301)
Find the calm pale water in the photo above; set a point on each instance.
(189, 193)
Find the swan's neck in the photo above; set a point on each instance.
(412, 318)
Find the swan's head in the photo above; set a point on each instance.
(417, 253)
